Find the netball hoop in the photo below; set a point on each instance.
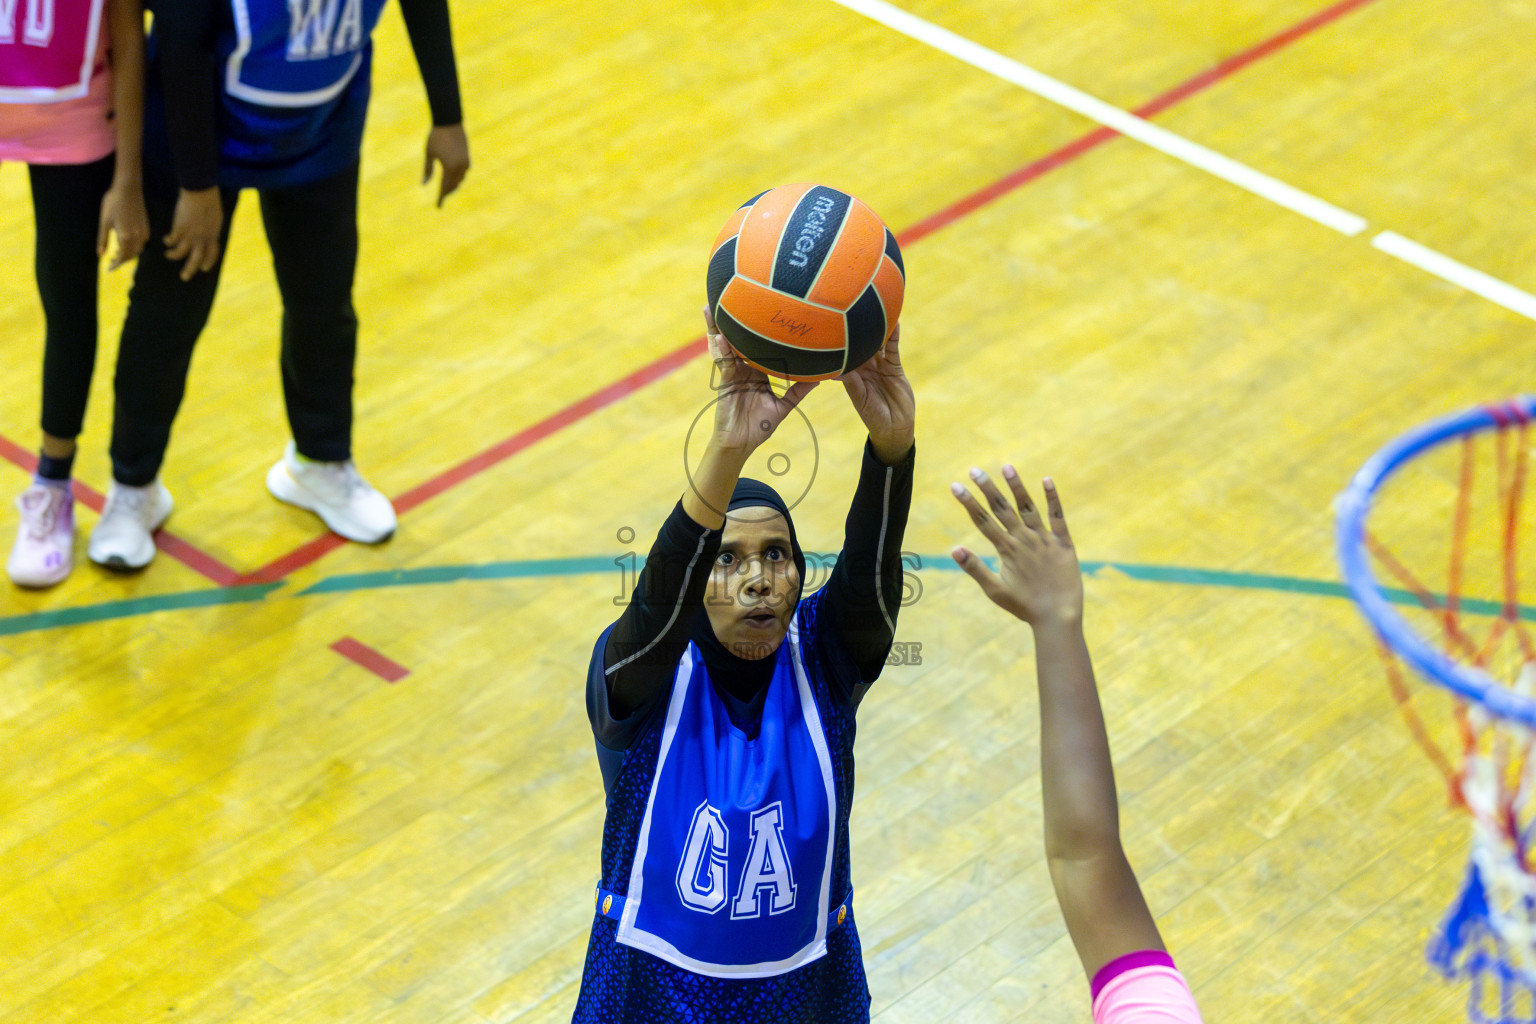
(1472, 639)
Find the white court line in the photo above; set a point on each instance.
(1475, 281)
(1194, 154)
(1095, 109)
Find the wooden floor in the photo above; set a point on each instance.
(207, 814)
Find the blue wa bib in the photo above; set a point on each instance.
(734, 861)
(298, 53)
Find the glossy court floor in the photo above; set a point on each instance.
(276, 777)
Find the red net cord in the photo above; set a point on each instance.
(1507, 753)
(1405, 705)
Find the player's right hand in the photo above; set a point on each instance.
(747, 409)
(195, 231)
(1038, 578)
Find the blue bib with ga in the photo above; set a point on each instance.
(733, 866)
(298, 53)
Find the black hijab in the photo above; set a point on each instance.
(745, 678)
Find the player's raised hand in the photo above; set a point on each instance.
(747, 409)
(1038, 578)
(449, 146)
(882, 396)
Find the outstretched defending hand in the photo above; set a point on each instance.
(882, 396)
(449, 146)
(1038, 579)
(748, 410)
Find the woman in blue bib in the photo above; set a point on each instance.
(723, 708)
(270, 95)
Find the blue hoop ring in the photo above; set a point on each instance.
(1353, 507)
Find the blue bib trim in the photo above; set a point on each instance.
(298, 53)
(731, 876)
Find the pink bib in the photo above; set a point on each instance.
(48, 49)
(55, 82)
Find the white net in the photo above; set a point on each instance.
(1498, 785)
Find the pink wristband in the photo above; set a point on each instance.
(1129, 962)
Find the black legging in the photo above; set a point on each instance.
(312, 230)
(66, 208)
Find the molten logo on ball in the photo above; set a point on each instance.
(815, 227)
(805, 282)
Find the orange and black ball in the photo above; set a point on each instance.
(805, 282)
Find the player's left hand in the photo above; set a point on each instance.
(882, 396)
(122, 214)
(449, 146)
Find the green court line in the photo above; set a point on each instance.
(137, 606)
(1132, 570)
(1145, 573)
(545, 567)
(1285, 584)
(453, 573)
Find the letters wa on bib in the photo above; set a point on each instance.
(296, 77)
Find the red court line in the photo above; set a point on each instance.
(370, 659)
(976, 200)
(1101, 135)
(313, 550)
(193, 558)
(1241, 60)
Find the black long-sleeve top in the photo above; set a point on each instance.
(186, 50)
(645, 645)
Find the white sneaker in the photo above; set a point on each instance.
(336, 493)
(45, 543)
(122, 538)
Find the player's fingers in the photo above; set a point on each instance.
(1029, 512)
(453, 177)
(102, 230)
(426, 169)
(976, 569)
(709, 322)
(450, 181)
(727, 375)
(798, 390)
(130, 244)
(193, 262)
(995, 501)
(979, 515)
(717, 349)
(178, 243)
(1053, 503)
